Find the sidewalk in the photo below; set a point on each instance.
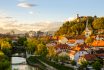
(69, 65)
(48, 66)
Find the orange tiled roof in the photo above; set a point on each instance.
(71, 40)
(78, 48)
(98, 43)
(72, 53)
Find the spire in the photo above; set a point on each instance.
(87, 25)
(87, 31)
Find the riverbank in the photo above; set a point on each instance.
(32, 61)
(52, 65)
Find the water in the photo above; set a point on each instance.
(24, 66)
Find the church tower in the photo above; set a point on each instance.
(87, 31)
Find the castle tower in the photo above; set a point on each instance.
(78, 18)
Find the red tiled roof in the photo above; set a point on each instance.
(89, 57)
(100, 55)
(62, 46)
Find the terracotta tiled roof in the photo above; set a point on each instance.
(80, 37)
(71, 40)
(78, 48)
(72, 53)
(99, 43)
(100, 55)
(62, 46)
(90, 57)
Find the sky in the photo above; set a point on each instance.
(33, 12)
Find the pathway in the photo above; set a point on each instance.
(48, 66)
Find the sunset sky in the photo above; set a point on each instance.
(16, 13)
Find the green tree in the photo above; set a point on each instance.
(21, 41)
(63, 58)
(73, 62)
(1, 55)
(88, 40)
(84, 64)
(6, 48)
(98, 23)
(30, 44)
(41, 50)
(4, 64)
(51, 52)
(97, 65)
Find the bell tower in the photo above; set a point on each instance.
(87, 31)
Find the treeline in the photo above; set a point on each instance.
(78, 25)
(5, 53)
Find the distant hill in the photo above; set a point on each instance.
(50, 27)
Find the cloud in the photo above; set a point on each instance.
(8, 23)
(25, 5)
(31, 13)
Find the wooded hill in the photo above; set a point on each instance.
(78, 25)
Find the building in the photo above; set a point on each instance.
(88, 32)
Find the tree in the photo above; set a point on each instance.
(4, 64)
(51, 52)
(84, 64)
(21, 41)
(30, 44)
(63, 58)
(5, 44)
(98, 23)
(6, 48)
(73, 62)
(4, 61)
(88, 40)
(1, 55)
(41, 50)
(97, 65)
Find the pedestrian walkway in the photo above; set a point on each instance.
(48, 66)
(69, 65)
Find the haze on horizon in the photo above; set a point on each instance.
(26, 15)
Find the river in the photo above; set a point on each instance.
(19, 63)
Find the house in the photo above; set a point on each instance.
(74, 42)
(101, 56)
(71, 42)
(62, 40)
(80, 41)
(99, 37)
(98, 44)
(87, 57)
(76, 52)
(50, 44)
(62, 48)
